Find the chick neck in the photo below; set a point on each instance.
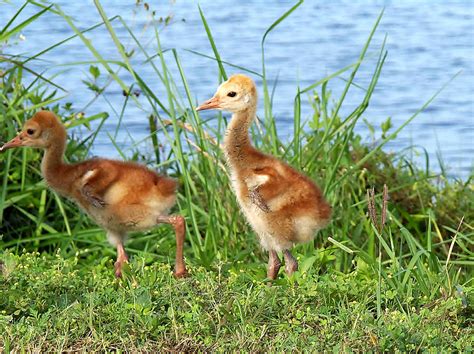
(52, 165)
(237, 140)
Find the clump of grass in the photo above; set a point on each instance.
(373, 282)
(54, 304)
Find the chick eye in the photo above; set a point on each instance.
(30, 131)
(232, 94)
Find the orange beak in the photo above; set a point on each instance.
(17, 141)
(213, 103)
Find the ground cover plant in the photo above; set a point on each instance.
(393, 270)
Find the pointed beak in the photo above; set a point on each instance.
(17, 141)
(209, 104)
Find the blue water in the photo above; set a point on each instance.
(428, 42)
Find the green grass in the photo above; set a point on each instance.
(51, 303)
(406, 285)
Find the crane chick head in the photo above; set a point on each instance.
(237, 94)
(39, 132)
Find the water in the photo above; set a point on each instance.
(428, 43)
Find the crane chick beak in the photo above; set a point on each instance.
(213, 103)
(17, 141)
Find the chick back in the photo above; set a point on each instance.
(133, 195)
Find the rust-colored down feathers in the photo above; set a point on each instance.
(120, 196)
(283, 206)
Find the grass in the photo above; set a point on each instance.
(51, 302)
(402, 284)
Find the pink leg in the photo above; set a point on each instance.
(274, 265)
(179, 225)
(291, 264)
(121, 259)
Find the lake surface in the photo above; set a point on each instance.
(428, 42)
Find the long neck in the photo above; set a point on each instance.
(237, 141)
(52, 165)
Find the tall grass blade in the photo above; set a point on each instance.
(222, 72)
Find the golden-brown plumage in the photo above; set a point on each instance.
(282, 205)
(120, 196)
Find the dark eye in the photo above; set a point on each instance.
(232, 94)
(30, 131)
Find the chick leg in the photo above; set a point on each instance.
(179, 225)
(291, 264)
(274, 265)
(117, 239)
(121, 259)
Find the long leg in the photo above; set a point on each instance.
(117, 240)
(291, 264)
(122, 258)
(274, 265)
(179, 225)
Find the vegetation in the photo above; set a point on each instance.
(365, 284)
(56, 303)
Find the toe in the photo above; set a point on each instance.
(181, 273)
